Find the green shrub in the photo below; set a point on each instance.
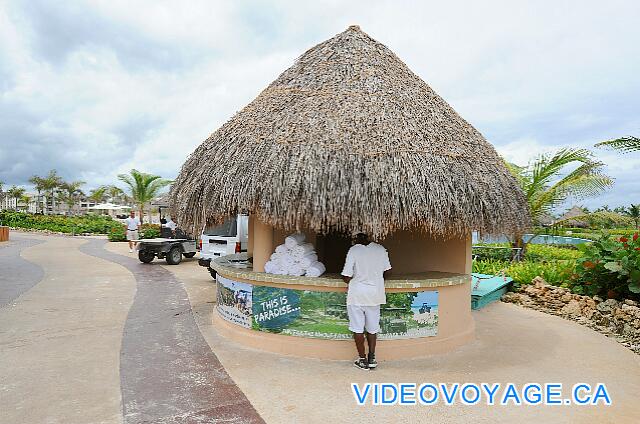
(610, 268)
(554, 272)
(118, 233)
(149, 231)
(86, 224)
(536, 252)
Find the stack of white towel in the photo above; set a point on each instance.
(295, 257)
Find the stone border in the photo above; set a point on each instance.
(617, 319)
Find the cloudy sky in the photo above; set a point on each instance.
(96, 88)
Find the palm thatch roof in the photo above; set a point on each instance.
(568, 218)
(348, 137)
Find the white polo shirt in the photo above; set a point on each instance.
(132, 223)
(366, 265)
(170, 225)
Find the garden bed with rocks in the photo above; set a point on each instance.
(613, 318)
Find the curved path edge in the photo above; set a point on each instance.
(168, 371)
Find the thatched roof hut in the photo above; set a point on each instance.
(348, 137)
(574, 217)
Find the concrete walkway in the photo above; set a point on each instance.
(62, 337)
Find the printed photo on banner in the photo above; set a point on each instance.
(235, 301)
(322, 315)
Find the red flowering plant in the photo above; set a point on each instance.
(610, 267)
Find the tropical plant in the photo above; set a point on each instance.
(98, 195)
(610, 268)
(88, 224)
(16, 193)
(25, 199)
(623, 144)
(70, 193)
(115, 193)
(634, 213)
(38, 185)
(48, 185)
(143, 187)
(546, 182)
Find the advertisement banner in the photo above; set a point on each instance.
(305, 313)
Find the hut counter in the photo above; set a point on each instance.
(227, 266)
(426, 312)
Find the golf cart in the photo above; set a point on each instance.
(171, 246)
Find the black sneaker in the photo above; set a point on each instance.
(362, 364)
(372, 361)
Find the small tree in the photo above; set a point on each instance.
(16, 193)
(98, 195)
(634, 213)
(546, 183)
(70, 193)
(143, 187)
(48, 185)
(38, 184)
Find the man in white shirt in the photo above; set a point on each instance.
(133, 225)
(171, 226)
(366, 266)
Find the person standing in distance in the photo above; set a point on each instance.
(365, 269)
(133, 225)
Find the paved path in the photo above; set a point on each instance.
(12, 265)
(168, 371)
(101, 338)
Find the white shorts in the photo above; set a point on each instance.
(132, 235)
(363, 318)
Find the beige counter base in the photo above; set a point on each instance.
(339, 349)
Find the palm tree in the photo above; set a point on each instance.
(98, 195)
(624, 144)
(634, 213)
(115, 193)
(143, 187)
(48, 184)
(16, 193)
(38, 184)
(70, 193)
(547, 183)
(25, 199)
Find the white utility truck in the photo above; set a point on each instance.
(229, 238)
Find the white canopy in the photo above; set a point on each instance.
(108, 207)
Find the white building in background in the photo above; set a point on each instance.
(13, 203)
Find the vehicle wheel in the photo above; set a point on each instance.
(189, 255)
(145, 256)
(174, 257)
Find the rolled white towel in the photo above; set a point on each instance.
(273, 267)
(295, 270)
(293, 240)
(308, 259)
(301, 250)
(269, 267)
(316, 269)
(276, 256)
(282, 249)
(286, 261)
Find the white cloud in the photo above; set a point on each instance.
(97, 88)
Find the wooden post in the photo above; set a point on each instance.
(262, 244)
(4, 233)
